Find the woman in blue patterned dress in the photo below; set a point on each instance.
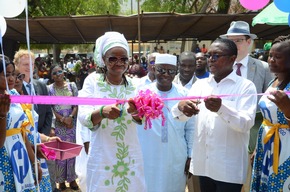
(44, 185)
(65, 126)
(16, 156)
(271, 171)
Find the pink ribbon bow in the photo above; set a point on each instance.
(149, 105)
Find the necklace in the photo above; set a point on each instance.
(59, 86)
(60, 90)
(112, 83)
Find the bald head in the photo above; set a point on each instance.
(186, 55)
(187, 63)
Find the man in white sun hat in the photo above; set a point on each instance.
(166, 148)
(253, 69)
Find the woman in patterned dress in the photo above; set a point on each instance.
(271, 171)
(115, 157)
(16, 156)
(65, 126)
(44, 185)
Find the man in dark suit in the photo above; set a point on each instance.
(253, 69)
(22, 61)
(44, 111)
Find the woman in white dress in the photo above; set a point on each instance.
(115, 158)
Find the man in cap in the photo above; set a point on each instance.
(150, 77)
(253, 69)
(166, 149)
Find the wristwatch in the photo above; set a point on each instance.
(71, 116)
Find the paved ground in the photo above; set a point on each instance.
(70, 190)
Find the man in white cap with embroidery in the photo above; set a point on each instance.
(253, 69)
(166, 149)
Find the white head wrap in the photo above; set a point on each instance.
(107, 41)
(166, 59)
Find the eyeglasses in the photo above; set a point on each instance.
(114, 60)
(20, 76)
(168, 71)
(214, 56)
(152, 62)
(59, 72)
(238, 40)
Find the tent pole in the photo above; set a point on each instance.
(139, 31)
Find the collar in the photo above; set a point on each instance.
(25, 83)
(148, 79)
(178, 81)
(244, 61)
(231, 77)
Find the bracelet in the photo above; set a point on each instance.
(38, 162)
(287, 118)
(135, 114)
(101, 112)
(137, 122)
(2, 117)
(47, 139)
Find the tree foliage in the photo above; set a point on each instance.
(38, 8)
(192, 6)
(72, 7)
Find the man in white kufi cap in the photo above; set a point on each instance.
(166, 149)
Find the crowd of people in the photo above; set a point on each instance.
(232, 135)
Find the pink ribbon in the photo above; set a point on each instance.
(149, 106)
(62, 100)
(49, 153)
(67, 100)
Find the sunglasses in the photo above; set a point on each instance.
(114, 60)
(20, 76)
(168, 71)
(59, 72)
(152, 62)
(215, 56)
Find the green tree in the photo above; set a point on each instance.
(38, 8)
(72, 7)
(192, 6)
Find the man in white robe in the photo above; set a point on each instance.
(166, 148)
